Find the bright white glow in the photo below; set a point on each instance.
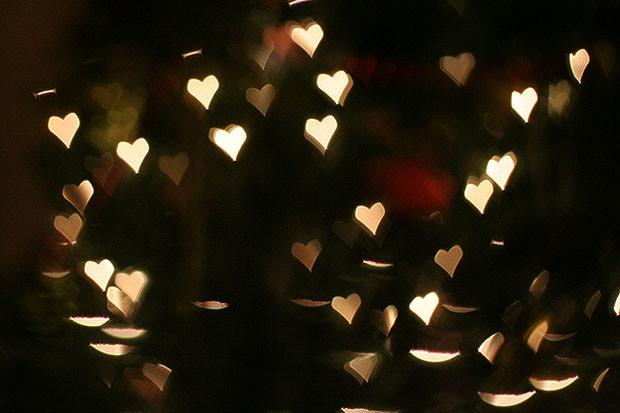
(377, 264)
(90, 321)
(552, 385)
(424, 307)
(432, 356)
(505, 400)
(617, 305)
(112, 349)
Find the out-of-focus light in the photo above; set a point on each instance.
(89, 321)
(306, 254)
(100, 273)
(78, 196)
(524, 102)
(578, 63)
(261, 55)
(592, 303)
(491, 345)
(478, 194)
(362, 410)
(55, 274)
(551, 384)
(599, 379)
(458, 67)
(370, 218)
(320, 133)
(361, 368)
(157, 373)
(377, 264)
(126, 333)
(64, 128)
(433, 356)
(336, 87)
(203, 90)
(539, 285)
(384, 320)
(424, 307)
(211, 305)
(449, 260)
(617, 304)
(197, 52)
(347, 307)
(559, 97)
(120, 302)
(174, 167)
(133, 153)
(558, 337)
(305, 302)
(308, 38)
(46, 92)
(112, 349)
(458, 309)
(69, 227)
(132, 284)
(536, 335)
(500, 170)
(261, 98)
(505, 400)
(230, 139)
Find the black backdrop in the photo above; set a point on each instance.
(226, 233)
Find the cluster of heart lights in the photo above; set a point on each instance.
(125, 294)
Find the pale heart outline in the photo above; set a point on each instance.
(261, 99)
(307, 254)
(78, 195)
(458, 68)
(174, 167)
(69, 227)
(347, 307)
(449, 260)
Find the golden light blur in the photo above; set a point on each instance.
(336, 86)
(424, 307)
(347, 307)
(449, 260)
(64, 128)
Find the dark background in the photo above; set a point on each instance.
(226, 232)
